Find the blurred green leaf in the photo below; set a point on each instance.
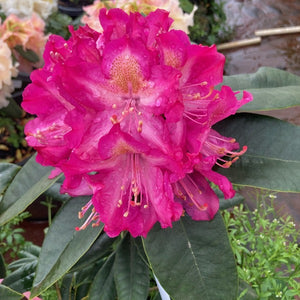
(23, 270)
(193, 259)
(13, 110)
(27, 54)
(2, 267)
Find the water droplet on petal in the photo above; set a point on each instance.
(158, 101)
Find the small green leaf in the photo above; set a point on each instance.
(246, 292)
(131, 272)
(2, 267)
(7, 173)
(272, 89)
(21, 278)
(63, 246)
(227, 203)
(9, 294)
(30, 182)
(193, 260)
(272, 160)
(27, 54)
(103, 286)
(12, 110)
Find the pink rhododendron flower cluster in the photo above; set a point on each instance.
(28, 33)
(181, 20)
(127, 116)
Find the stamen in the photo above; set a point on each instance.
(84, 209)
(114, 119)
(140, 125)
(94, 216)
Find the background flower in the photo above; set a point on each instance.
(181, 20)
(27, 34)
(7, 71)
(26, 8)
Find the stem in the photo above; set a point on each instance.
(58, 291)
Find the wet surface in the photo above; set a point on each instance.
(279, 51)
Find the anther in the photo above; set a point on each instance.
(114, 105)
(114, 119)
(140, 125)
(126, 214)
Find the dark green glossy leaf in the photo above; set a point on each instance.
(7, 173)
(102, 247)
(63, 245)
(193, 260)
(12, 110)
(131, 272)
(27, 54)
(103, 286)
(8, 294)
(272, 159)
(30, 182)
(272, 89)
(66, 291)
(2, 267)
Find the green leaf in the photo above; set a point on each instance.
(186, 5)
(12, 110)
(66, 287)
(21, 278)
(227, 203)
(102, 247)
(131, 272)
(7, 173)
(63, 246)
(103, 286)
(272, 89)
(2, 267)
(30, 182)
(8, 294)
(193, 260)
(27, 54)
(246, 292)
(272, 159)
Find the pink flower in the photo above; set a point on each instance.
(126, 115)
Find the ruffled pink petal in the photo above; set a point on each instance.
(173, 46)
(204, 66)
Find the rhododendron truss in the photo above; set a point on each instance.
(127, 116)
